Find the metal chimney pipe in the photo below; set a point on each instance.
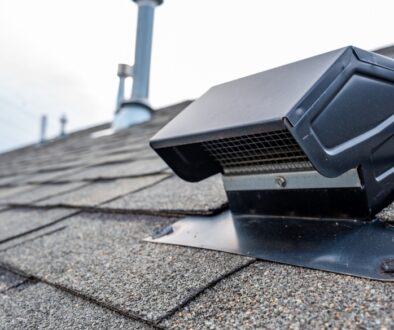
(143, 49)
(124, 71)
(43, 128)
(137, 109)
(63, 122)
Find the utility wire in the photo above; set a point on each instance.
(9, 123)
(9, 129)
(20, 108)
(13, 137)
(11, 134)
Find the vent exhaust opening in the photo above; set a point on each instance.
(275, 151)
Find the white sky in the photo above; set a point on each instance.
(61, 56)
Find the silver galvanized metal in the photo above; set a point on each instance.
(143, 50)
(124, 71)
(290, 180)
(63, 123)
(43, 128)
(137, 109)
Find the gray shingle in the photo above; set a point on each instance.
(101, 257)
(124, 148)
(31, 235)
(15, 222)
(65, 164)
(41, 192)
(40, 306)
(123, 157)
(12, 179)
(174, 195)
(96, 193)
(9, 280)
(113, 171)
(6, 192)
(273, 296)
(54, 176)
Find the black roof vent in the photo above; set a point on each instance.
(312, 139)
(331, 114)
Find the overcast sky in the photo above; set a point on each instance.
(61, 56)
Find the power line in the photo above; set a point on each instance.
(16, 126)
(20, 108)
(8, 123)
(15, 139)
(12, 135)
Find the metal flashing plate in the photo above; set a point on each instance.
(363, 249)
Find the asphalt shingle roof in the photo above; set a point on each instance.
(34, 193)
(101, 256)
(9, 280)
(175, 196)
(100, 192)
(73, 213)
(276, 296)
(17, 222)
(41, 306)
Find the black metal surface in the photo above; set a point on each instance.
(337, 203)
(364, 249)
(233, 108)
(338, 107)
(333, 112)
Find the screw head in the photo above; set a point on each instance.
(299, 112)
(388, 266)
(160, 232)
(280, 181)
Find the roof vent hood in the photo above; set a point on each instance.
(307, 156)
(318, 134)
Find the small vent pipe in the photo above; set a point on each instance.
(137, 109)
(43, 128)
(63, 122)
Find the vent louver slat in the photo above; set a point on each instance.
(258, 153)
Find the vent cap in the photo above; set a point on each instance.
(330, 113)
